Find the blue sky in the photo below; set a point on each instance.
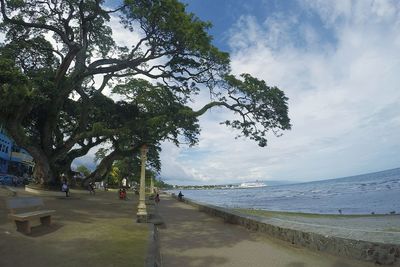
(224, 14)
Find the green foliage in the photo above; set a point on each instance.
(164, 116)
(261, 108)
(114, 178)
(183, 40)
(127, 168)
(83, 169)
(101, 154)
(161, 184)
(52, 106)
(130, 166)
(14, 87)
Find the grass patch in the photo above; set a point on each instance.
(85, 232)
(116, 242)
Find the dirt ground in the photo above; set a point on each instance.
(87, 230)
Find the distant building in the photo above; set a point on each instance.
(78, 175)
(14, 159)
(21, 162)
(5, 151)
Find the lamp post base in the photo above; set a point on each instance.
(142, 215)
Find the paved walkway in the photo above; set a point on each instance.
(194, 239)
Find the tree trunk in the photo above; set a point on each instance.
(43, 171)
(104, 167)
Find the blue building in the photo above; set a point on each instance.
(21, 162)
(14, 159)
(5, 151)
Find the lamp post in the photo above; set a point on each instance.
(151, 186)
(142, 215)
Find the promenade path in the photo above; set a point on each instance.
(194, 239)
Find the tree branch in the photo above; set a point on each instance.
(32, 25)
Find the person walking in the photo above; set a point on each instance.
(123, 183)
(91, 188)
(180, 196)
(65, 187)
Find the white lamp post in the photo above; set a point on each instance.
(142, 215)
(151, 186)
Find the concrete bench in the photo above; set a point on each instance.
(23, 210)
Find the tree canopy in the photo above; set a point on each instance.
(83, 169)
(60, 59)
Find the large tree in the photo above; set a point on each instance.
(60, 56)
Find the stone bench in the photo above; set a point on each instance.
(23, 210)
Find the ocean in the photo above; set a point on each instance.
(377, 193)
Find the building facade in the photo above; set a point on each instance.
(14, 159)
(21, 163)
(5, 151)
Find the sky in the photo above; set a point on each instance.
(339, 64)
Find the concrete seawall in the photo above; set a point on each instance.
(380, 253)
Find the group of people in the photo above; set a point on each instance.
(121, 193)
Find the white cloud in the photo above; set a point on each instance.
(122, 36)
(344, 97)
(175, 169)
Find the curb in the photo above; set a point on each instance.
(153, 258)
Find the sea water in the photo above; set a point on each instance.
(377, 193)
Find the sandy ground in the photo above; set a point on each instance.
(194, 239)
(98, 230)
